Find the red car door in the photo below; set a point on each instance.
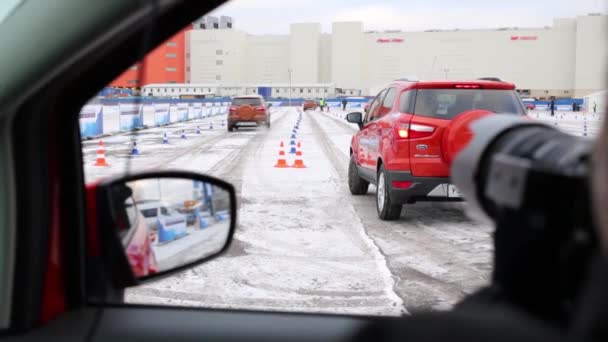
(365, 143)
(378, 126)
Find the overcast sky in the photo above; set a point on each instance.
(274, 16)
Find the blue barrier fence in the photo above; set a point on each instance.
(112, 115)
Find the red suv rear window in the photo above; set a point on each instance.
(447, 103)
(252, 101)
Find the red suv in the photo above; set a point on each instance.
(402, 146)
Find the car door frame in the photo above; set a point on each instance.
(366, 167)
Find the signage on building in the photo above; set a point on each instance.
(524, 37)
(389, 40)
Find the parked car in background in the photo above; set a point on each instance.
(310, 104)
(529, 103)
(401, 146)
(249, 110)
(153, 210)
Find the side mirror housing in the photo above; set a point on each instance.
(356, 118)
(150, 225)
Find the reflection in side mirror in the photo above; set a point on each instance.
(168, 222)
(355, 117)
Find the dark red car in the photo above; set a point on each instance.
(402, 146)
(310, 104)
(249, 110)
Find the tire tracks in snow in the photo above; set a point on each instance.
(335, 158)
(434, 260)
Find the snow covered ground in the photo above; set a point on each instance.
(303, 243)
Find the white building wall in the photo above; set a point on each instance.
(591, 54)
(567, 59)
(304, 41)
(346, 50)
(267, 59)
(325, 59)
(217, 56)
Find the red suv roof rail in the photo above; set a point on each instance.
(464, 84)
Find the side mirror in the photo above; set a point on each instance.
(150, 225)
(355, 117)
(268, 105)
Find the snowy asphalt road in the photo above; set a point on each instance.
(303, 242)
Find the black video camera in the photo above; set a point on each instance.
(532, 181)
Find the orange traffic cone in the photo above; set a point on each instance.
(281, 162)
(101, 155)
(299, 162)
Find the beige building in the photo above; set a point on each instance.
(564, 60)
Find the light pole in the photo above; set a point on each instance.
(289, 71)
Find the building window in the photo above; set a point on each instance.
(219, 52)
(309, 91)
(278, 91)
(218, 77)
(301, 90)
(171, 55)
(187, 68)
(219, 62)
(317, 91)
(172, 69)
(325, 90)
(208, 90)
(171, 44)
(172, 90)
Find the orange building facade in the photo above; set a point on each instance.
(165, 64)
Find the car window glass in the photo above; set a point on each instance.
(246, 101)
(387, 103)
(303, 243)
(370, 115)
(447, 103)
(406, 101)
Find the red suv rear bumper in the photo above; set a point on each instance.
(418, 190)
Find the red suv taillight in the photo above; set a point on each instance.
(421, 131)
(414, 131)
(260, 109)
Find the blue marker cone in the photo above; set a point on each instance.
(198, 129)
(293, 142)
(293, 136)
(183, 134)
(134, 150)
(292, 150)
(211, 125)
(223, 123)
(165, 139)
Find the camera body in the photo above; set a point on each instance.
(533, 182)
